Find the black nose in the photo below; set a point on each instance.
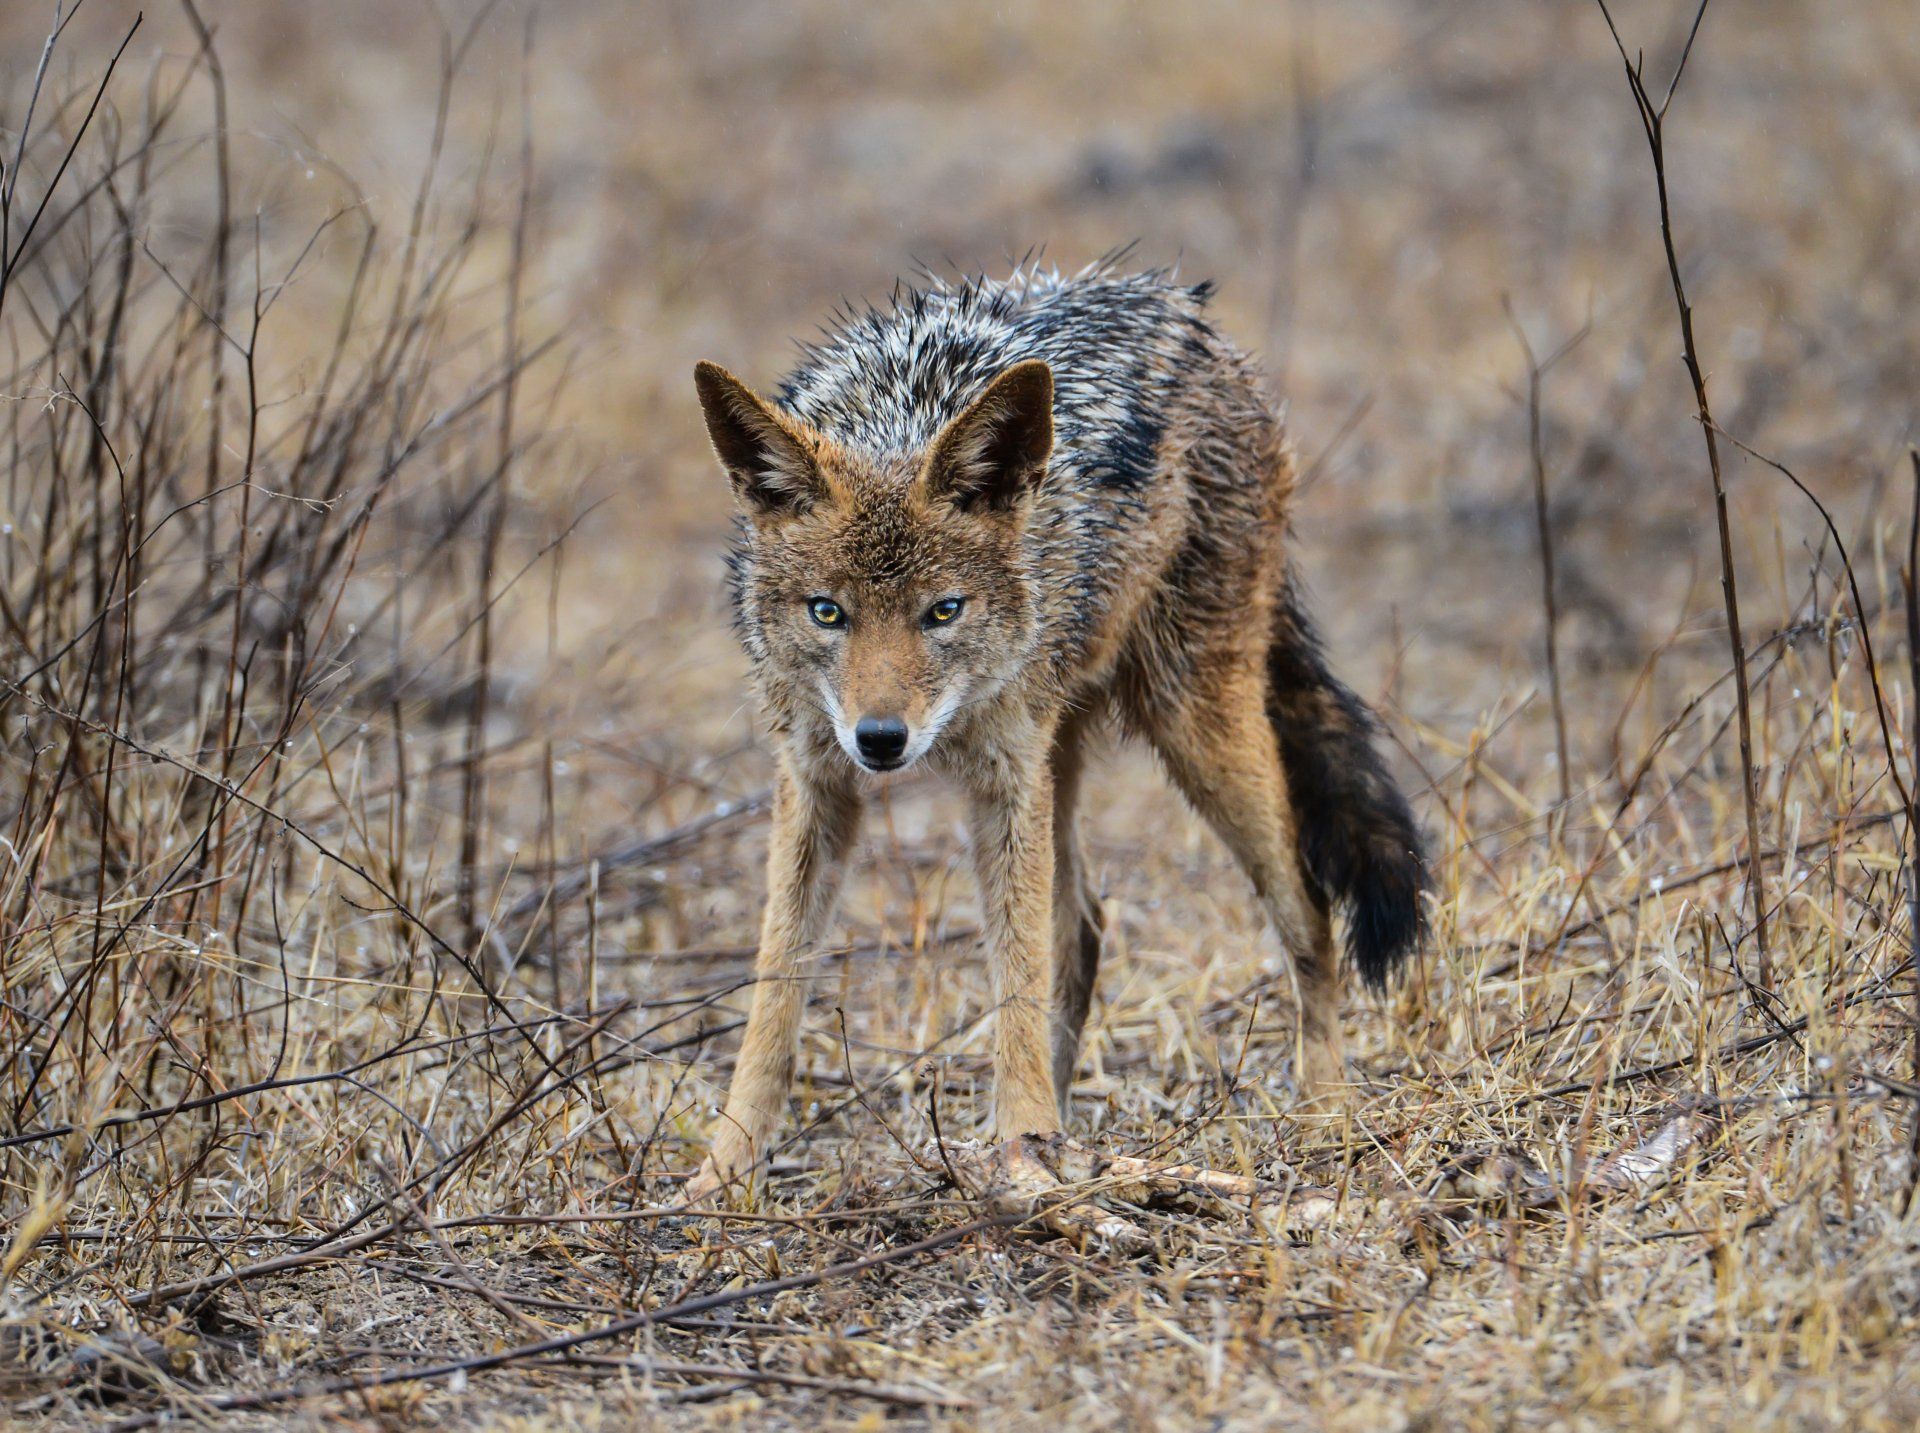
(882, 740)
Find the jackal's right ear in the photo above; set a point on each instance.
(770, 464)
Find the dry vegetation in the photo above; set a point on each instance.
(381, 815)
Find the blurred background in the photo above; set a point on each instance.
(1382, 192)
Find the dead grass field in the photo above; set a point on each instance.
(381, 808)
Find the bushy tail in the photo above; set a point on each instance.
(1358, 839)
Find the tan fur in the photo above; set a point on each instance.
(814, 823)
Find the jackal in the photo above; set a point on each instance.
(978, 525)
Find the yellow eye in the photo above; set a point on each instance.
(945, 611)
(826, 612)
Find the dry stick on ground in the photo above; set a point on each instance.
(676, 1368)
(562, 1343)
(1653, 121)
(464, 1276)
(340, 1241)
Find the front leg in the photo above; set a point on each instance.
(816, 813)
(1011, 816)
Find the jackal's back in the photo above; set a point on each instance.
(889, 378)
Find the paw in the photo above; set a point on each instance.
(722, 1178)
(705, 1185)
(1047, 1180)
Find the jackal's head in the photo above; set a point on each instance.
(883, 593)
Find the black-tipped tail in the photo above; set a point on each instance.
(1358, 839)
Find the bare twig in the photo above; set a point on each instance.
(1536, 372)
(1910, 580)
(1653, 123)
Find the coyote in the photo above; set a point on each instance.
(978, 525)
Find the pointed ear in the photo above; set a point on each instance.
(771, 467)
(996, 451)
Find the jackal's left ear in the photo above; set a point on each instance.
(997, 450)
(770, 465)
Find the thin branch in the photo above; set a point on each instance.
(1652, 122)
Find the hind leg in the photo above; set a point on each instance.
(1076, 913)
(1218, 742)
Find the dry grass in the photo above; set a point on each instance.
(381, 816)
